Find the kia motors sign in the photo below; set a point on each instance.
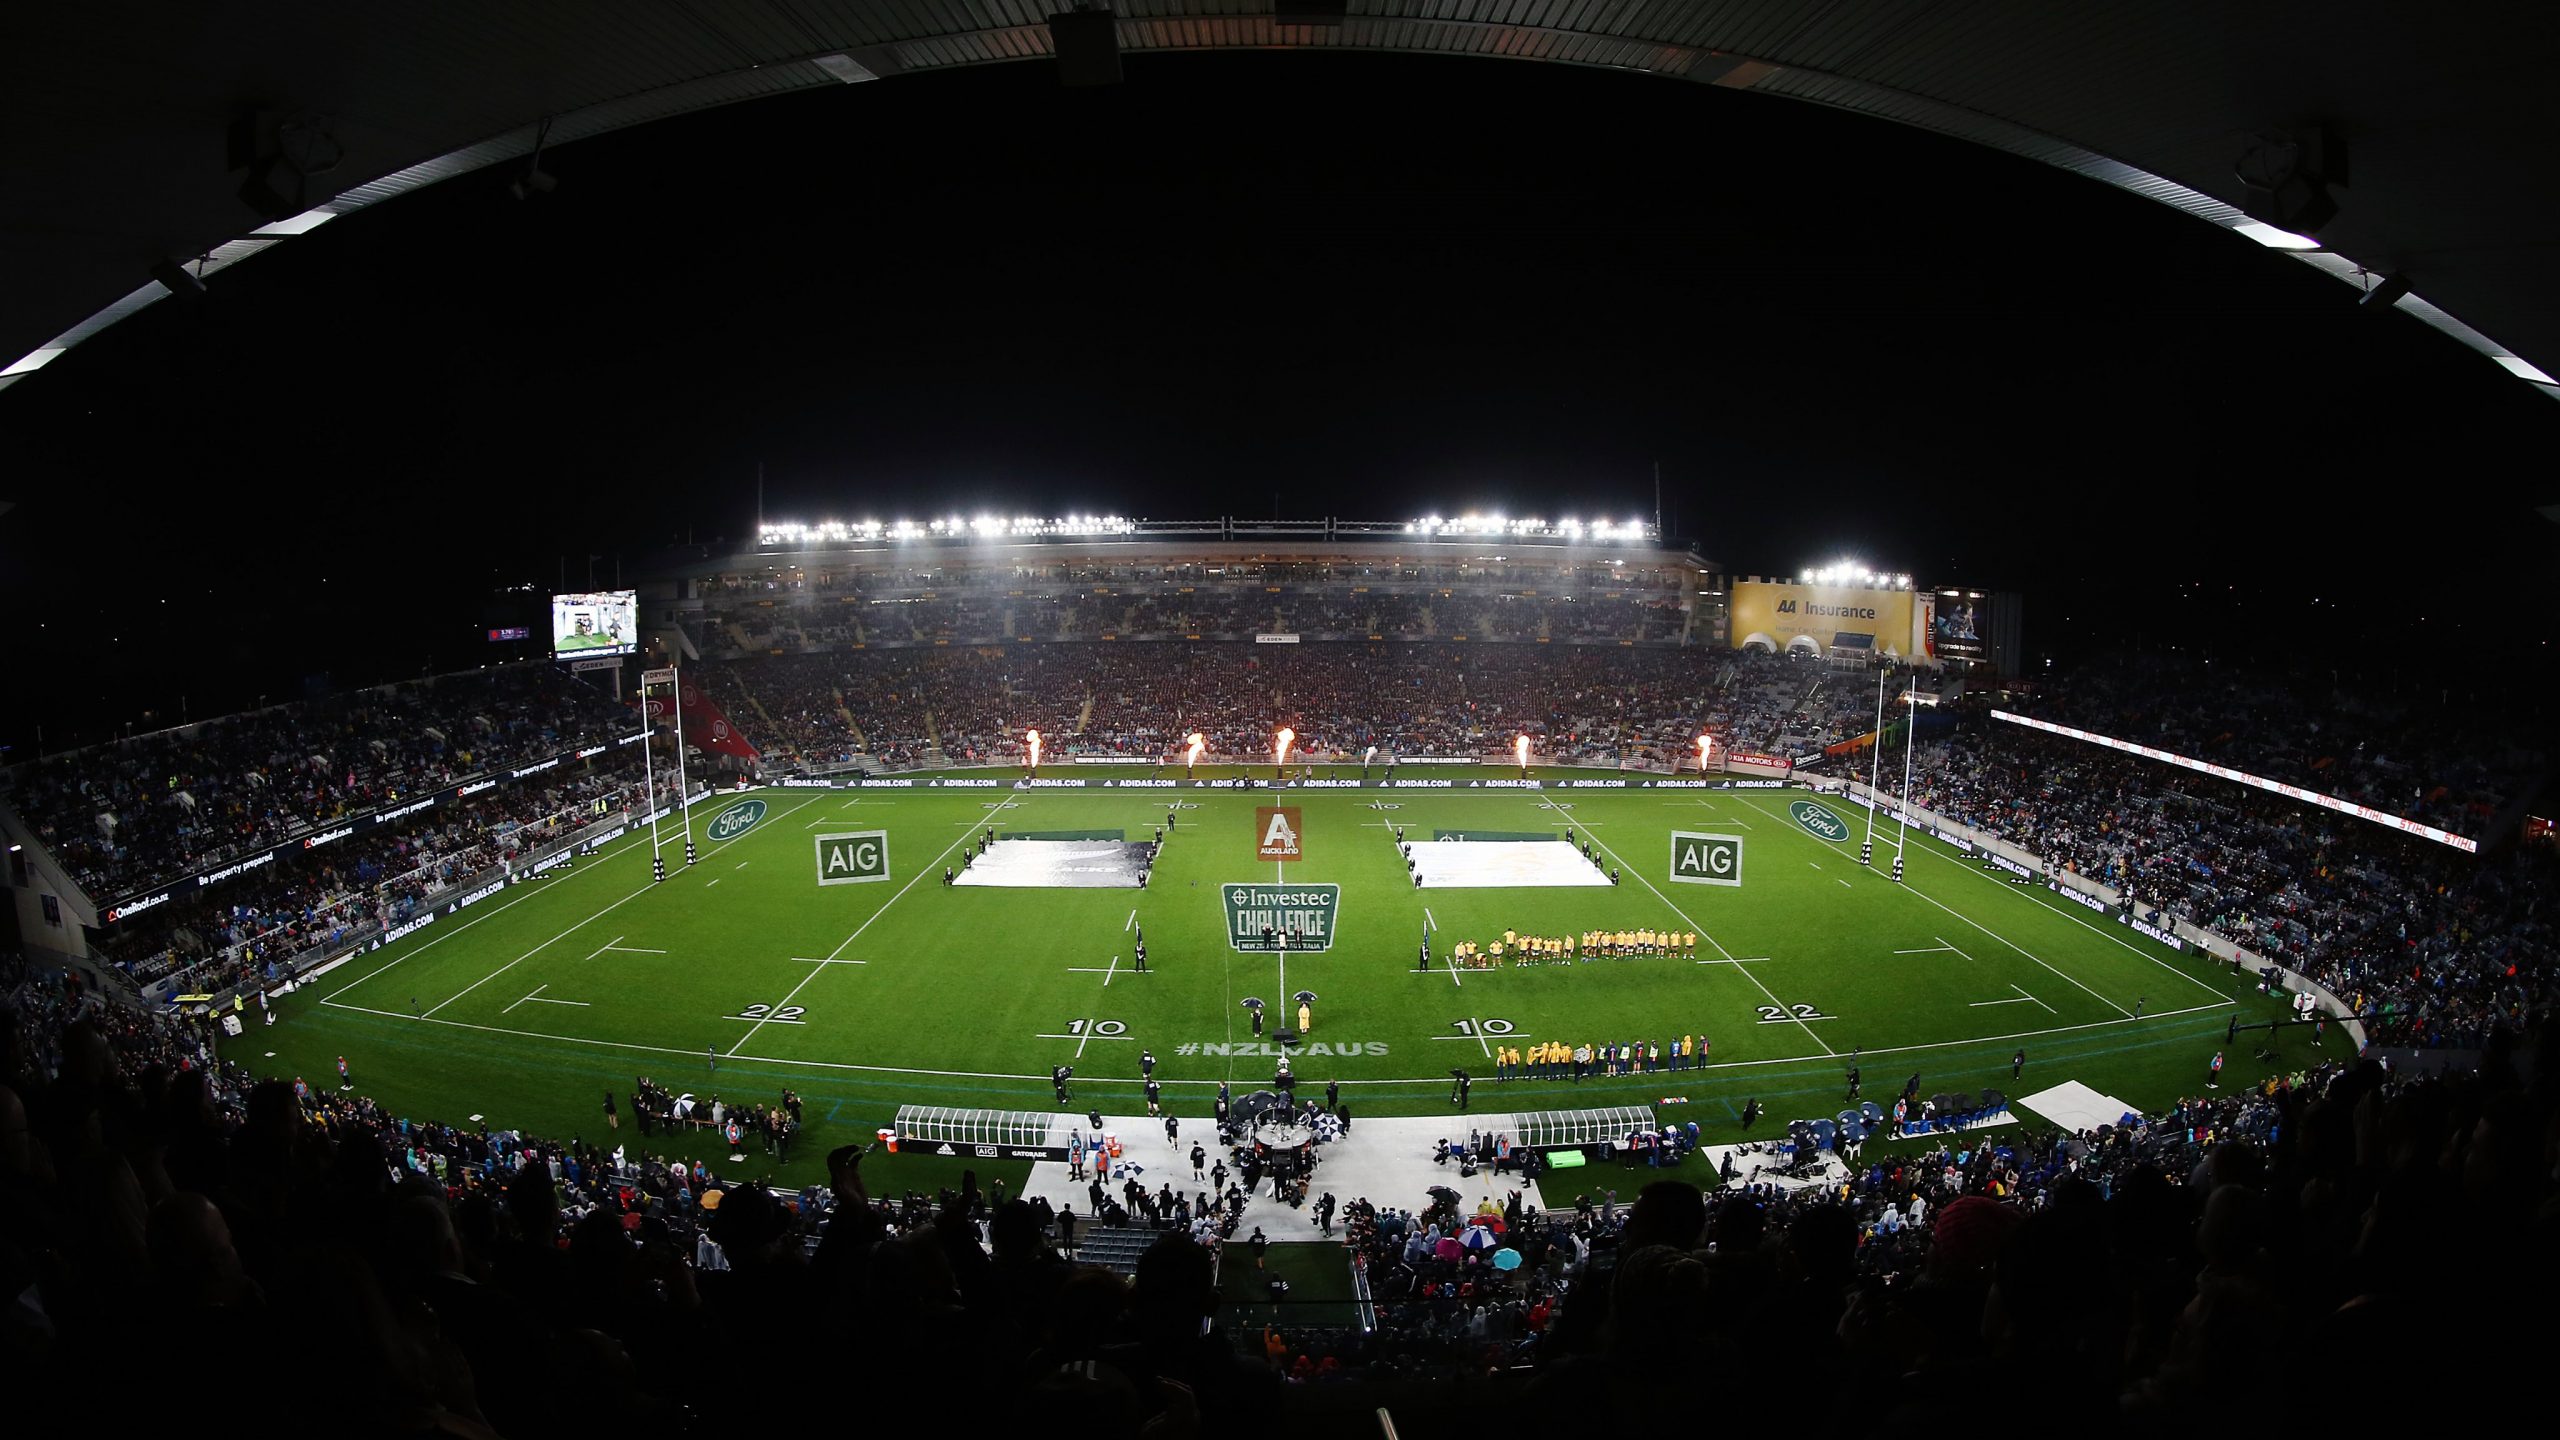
(1276, 833)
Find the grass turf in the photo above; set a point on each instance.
(740, 975)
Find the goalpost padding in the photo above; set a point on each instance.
(1501, 864)
(1059, 865)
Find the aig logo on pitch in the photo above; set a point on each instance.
(1700, 859)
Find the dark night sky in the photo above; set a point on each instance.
(1368, 286)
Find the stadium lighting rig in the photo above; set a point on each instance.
(1497, 526)
(785, 533)
(1851, 572)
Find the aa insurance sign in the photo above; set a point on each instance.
(853, 858)
(1275, 917)
(1706, 859)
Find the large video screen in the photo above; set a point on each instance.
(1960, 627)
(604, 623)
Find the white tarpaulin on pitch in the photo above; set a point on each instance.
(1059, 864)
(1490, 864)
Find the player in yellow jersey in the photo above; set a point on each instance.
(1689, 945)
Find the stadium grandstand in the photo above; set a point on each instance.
(2196, 1255)
(1388, 976)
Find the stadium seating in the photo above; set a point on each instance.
(2429, 945)
(124, 816)
(2193, 1264)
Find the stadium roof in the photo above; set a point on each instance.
(117, 117)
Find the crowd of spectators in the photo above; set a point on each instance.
(2433, 946)
(253, 926)
(1601, 705)
(407, 1276)
(2439, 748)
(122, 816)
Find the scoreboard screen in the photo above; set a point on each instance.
(590, 626)
(1960, 625)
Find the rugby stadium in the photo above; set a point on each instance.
(1303, 740)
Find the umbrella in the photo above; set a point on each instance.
(710, 1199)
(1506, 1258)
(1448, 1248)
(1478, 1238)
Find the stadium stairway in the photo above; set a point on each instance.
(752, 702)
(1115, 1248)
(835, 697)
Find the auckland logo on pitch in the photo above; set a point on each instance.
(1820, 821)
(737, 820)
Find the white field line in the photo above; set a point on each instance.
(629, 842)
(2037, 893)
(2049, 1010)
(529, 954)
(1710, 939)
(1004, 1075)
(2014, 945)
(538, 949)
(818, 970)
(1994, 934)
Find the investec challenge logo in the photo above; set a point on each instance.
(1701, 859)
(1277, 917)
(1820, 821)
(1275, 829)
(737, 820)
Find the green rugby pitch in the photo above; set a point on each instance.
(741, 974)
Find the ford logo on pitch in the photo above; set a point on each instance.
(737, 820)
(1820, 821)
